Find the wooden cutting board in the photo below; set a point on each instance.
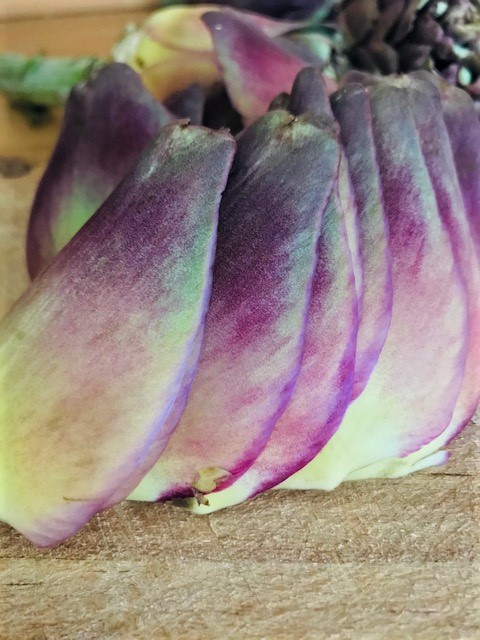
(373, 560)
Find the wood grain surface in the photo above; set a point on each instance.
(373, 560)
(15, 9)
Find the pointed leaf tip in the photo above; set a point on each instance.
(309, 93)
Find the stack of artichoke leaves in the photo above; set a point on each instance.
(213, 316)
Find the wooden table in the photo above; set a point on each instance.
(373, 560)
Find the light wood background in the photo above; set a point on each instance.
(18, 9)
(374, 560)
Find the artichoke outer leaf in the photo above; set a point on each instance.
(437, 150)
(352, 110)
(270, 221)
(414, 387)
(324, 386)
(362, 203)
(93, 356)
(310, 95)
(108, 122)
(463, 125)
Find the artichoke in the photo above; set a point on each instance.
(210, 317)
